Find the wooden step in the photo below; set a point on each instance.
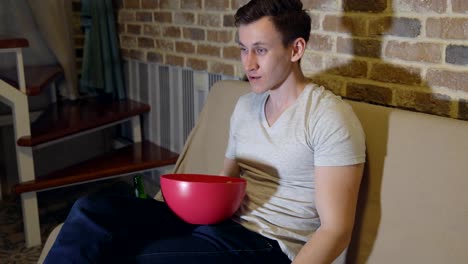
(132, 158)
(10, 42)
(37, 77)
(67, 118)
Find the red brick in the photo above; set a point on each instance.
(175, 60)
(165, 45)
(126, 16)
(385, 72)
(426, 102)
(191, 4)
(355, 25)
(154, 57)
(421, 52)
(231, 52)
(456, 80)
(150, 4)
(369, 93)
(359, 47)
(120, 29)
(463, 109)
(209, 20)
(144, 16)
(151, 30)
(128, 42)
(374, 6)
(171, 31)
(194, 33)
(169, 4)
(323, 5)
(185, 47)
(184, 18)
(447, 28)
(222, 68)
(311, 63)
(125, 53)
(397, 26)
(330, 82)
(210, 50)
(456, 54)
(342, 67)
(133, 29)
(145, 42)
(422, 6)
(137, 55)
(197, 64)
(132, 4)
(460, 6)
(235, 4)
(315, 21)
(163, 17)
(320, 42)
(219, 5)
(228, 21)
(220, 36)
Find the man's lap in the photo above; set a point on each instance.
(128, 230)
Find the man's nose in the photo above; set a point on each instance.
(250, 62)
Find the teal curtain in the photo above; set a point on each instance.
(102, 72)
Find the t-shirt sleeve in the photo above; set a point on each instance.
(338, 137)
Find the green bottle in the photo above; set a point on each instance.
(139, 187)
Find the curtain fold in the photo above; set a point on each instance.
(102, 67)
(53, 19)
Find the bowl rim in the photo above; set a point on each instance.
(202, 178)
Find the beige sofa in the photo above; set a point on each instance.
(413, 206)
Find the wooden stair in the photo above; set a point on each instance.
(67, 118)
(37, 77)
(136, 157)
(64, 120)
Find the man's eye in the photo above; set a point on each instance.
(260, 51)
(243, 49)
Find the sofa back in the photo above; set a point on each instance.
(413, 204)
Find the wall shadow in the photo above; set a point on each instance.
(367, 77)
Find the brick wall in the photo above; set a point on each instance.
(403, 53)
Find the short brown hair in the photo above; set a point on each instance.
(288, 17)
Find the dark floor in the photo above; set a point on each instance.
(53, 209)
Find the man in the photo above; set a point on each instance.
(300, 148)
(310, 137)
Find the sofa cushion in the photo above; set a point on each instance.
(414, 198)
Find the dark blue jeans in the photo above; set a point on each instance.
(119, 229)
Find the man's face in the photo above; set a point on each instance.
(267, 63)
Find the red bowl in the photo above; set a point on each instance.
(202, 199)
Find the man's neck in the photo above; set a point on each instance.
(287, 93)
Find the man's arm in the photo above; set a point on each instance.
(230, 168)
(337, 191)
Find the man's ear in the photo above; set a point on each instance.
(298, 49)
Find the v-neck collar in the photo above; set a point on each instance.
(265, 122)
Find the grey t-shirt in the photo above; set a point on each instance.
(278, 161)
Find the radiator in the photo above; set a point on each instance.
(176, 96)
